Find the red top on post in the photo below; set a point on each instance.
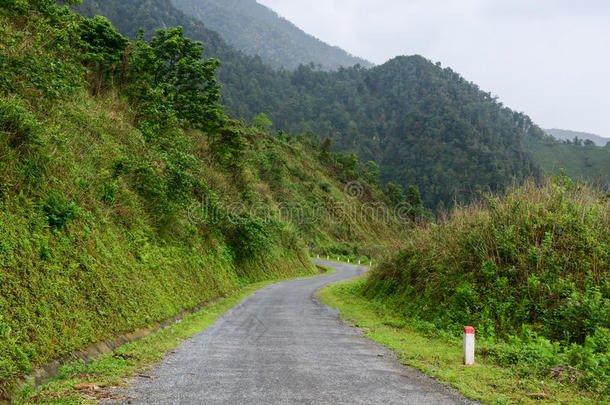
(469, 330)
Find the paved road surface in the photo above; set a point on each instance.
(281, 346)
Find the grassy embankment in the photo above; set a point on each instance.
(530, 271)
(81, 383)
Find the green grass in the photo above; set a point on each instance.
(115, 369)
(441, 356)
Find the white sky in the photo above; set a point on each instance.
(547, 58)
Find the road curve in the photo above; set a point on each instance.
(281, 346)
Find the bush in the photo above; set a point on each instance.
(249, 238)
(18, 124)
(59, 213)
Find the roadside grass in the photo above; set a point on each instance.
(441, 356)
(82, 383)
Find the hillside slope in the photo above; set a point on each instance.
(120, 208)
(256, 30)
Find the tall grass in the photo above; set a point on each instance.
(534, 263)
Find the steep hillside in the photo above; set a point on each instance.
(565, 135)
(256, 30)
(126, 196)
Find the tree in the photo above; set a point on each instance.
(262, 122)
(325, 147)
(169, 68)
(393, 193)
(414, 201)
(371, 173)
(103, 48)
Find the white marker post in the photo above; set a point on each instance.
(371, 264)
(468, 345)
(338, 259)
(348, 259)
(358, 261)
(327, 257)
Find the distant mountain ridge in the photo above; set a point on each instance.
(567, 135)
(257, 30)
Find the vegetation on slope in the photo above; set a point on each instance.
(127, 196)
(256, 30)
(531, 269)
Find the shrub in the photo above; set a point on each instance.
(58, 212)
(18, 124)
(249, 238)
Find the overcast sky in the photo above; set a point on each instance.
(548, 58)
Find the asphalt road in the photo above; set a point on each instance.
(281, 346)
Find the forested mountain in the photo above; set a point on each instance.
(566, 135)
(423, 124)
(256, 30)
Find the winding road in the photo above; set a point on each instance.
(281, 346)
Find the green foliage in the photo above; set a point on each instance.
(371, 172)
(58, 212)
(422, 124)
(414, 203)
(250, 238)
(168, 70)
(17, 124)
(587, 161)
(262, 122)
(141, 214)
(530, 269)
(102, 48)
(393, 193)
(229, 147)
(507, 372)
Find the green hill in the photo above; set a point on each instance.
(530, 271)
(127, 196)
(256, 30)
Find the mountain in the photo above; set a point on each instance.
(424, 125)
(566, 135)
(256, 30)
